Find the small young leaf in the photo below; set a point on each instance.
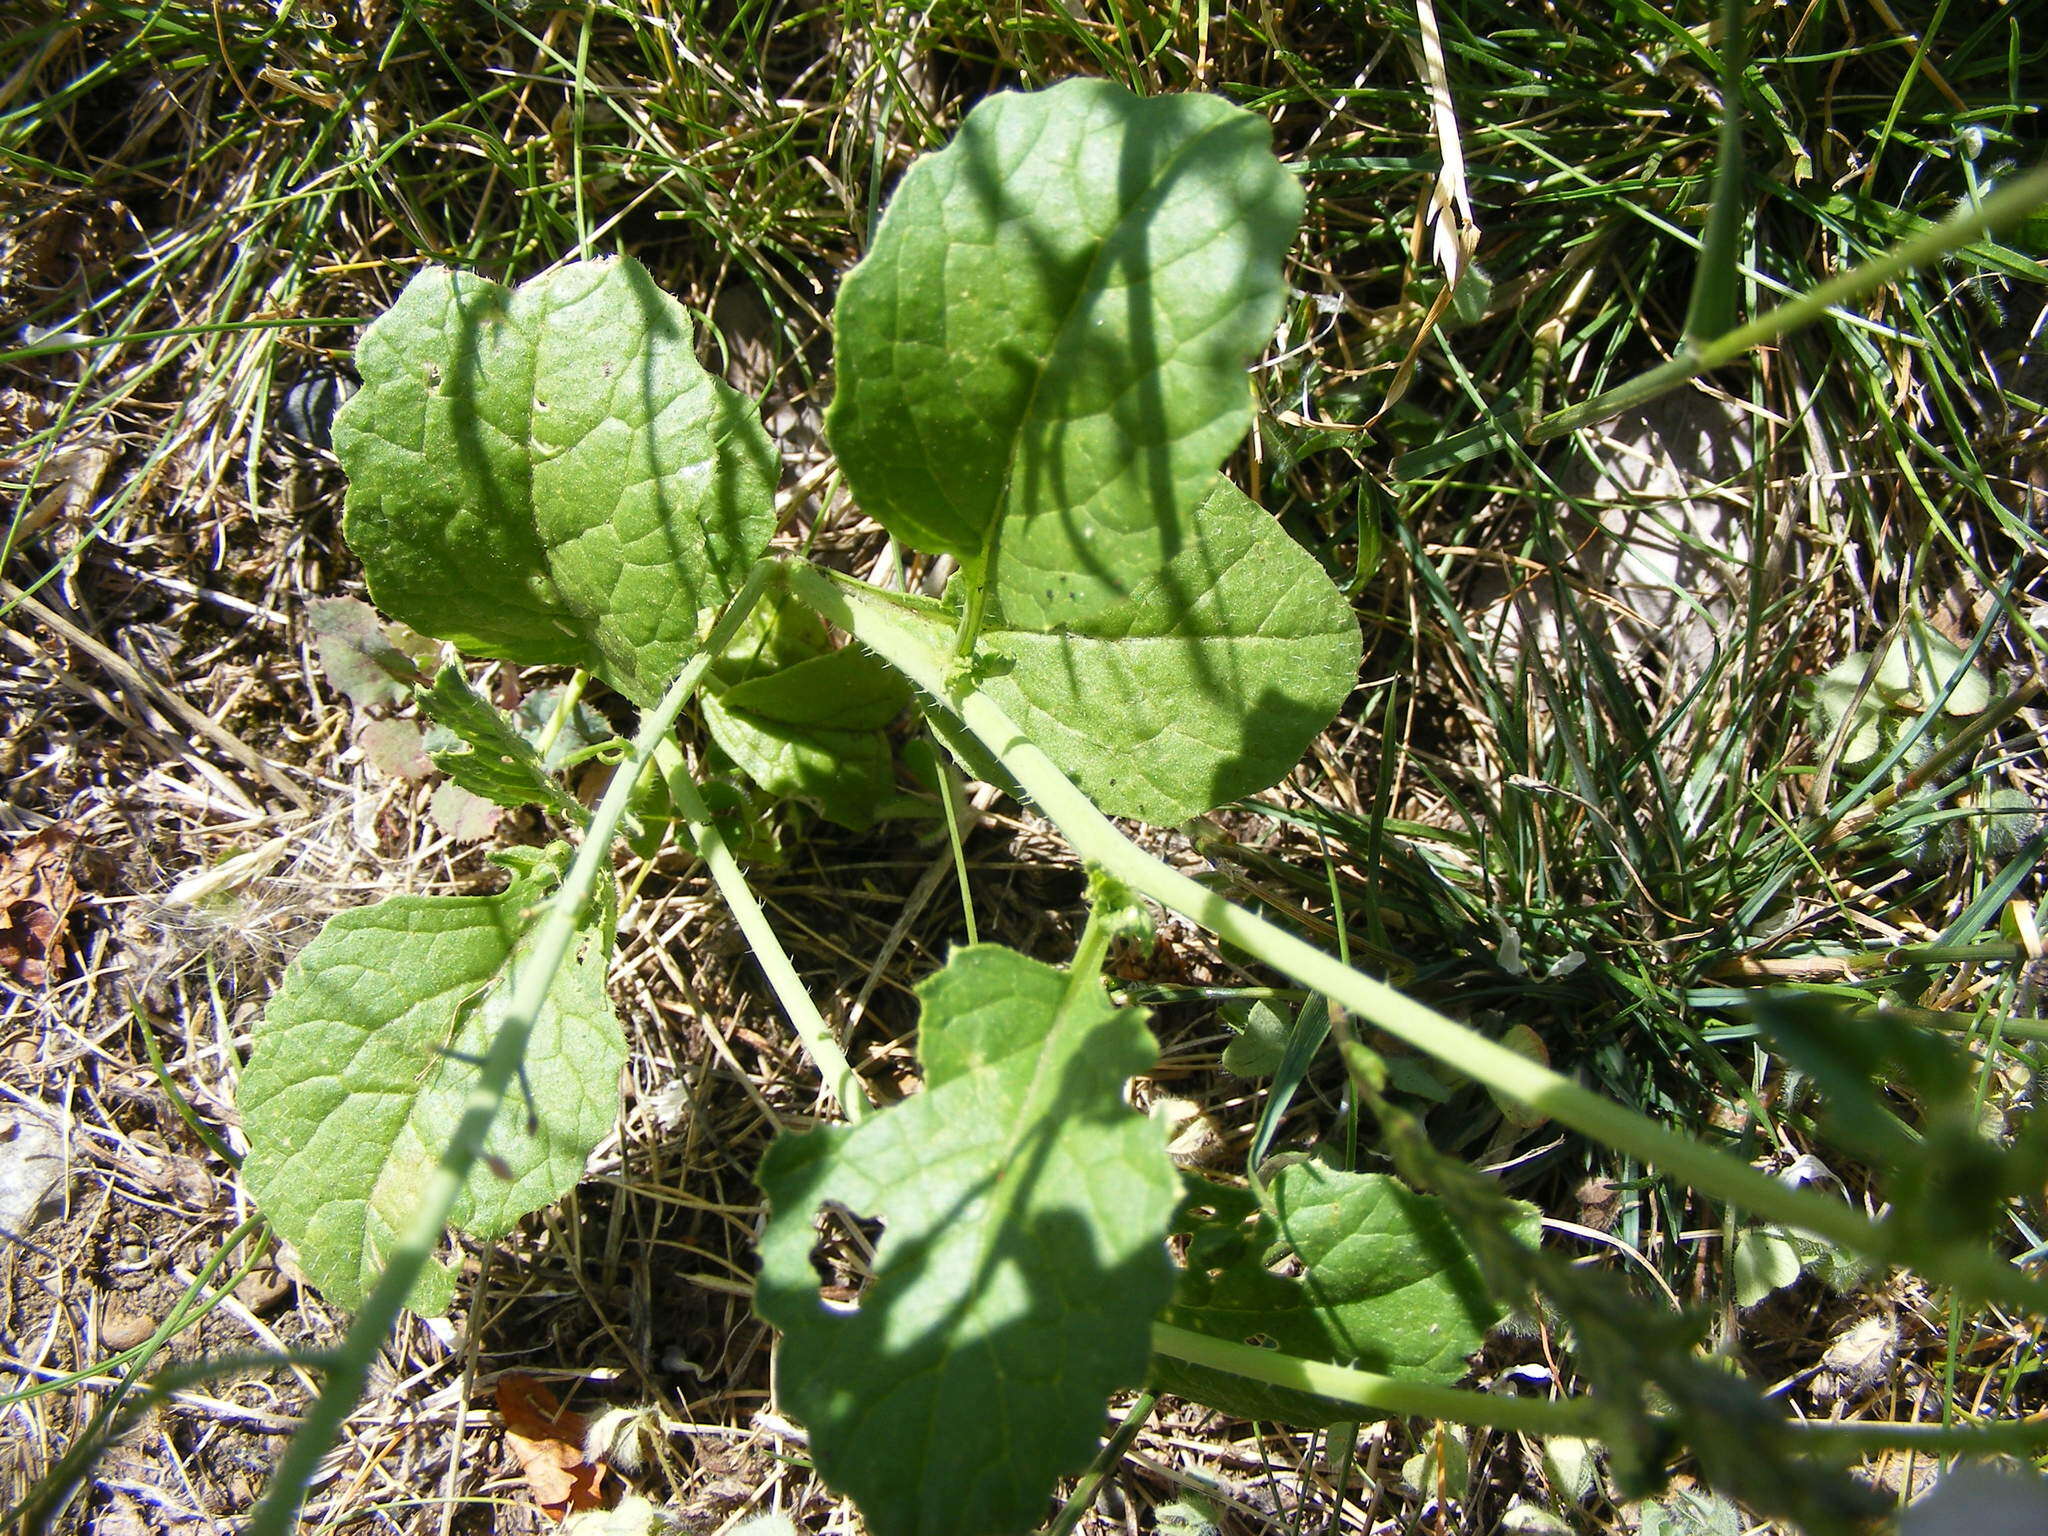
(466, 817)
(1692, 1512)
(1388, 1286)
(1766, 1261)
(394, 748)
(369, 1049)
(549, 475)
(1041, 359)
(496, 762)
(846, 775)
(1022, 1261)
(1919, 667)
(359, 653)
(583, 727)
(1261, 1041)
(804, 721)
(1835, 697)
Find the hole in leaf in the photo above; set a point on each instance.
(844, 1256)
(1262, 1341)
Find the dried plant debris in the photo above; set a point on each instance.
(37, 892)
(548, 1441)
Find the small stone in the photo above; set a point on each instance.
(121, 1328)
(263, 1289)
(32, 1173)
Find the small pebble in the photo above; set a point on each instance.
(123, 1329)
(261, 1290)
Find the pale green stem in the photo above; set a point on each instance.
(973, 579)
(871, 618)
(565, 706)
(954, 800)
(810, 1026)
(1368, 1389)
(1569, 1416)
(2006, 206)
(553, 938)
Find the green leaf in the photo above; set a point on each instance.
(1206, 685)
(1835, 697)
(549, 475)
(1261, 1042)
(805, 721)
(1387, 1285)
(1022, 1261)
(366, 1055)
(1766, 1261)
(847, 775)
(1041, 365)
(582, 728)
(1919, 667)
(1041, 360)
(1692, 1512)
(496, 762)
(842, 690)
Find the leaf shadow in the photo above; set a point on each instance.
(1149, 170)
(970, 1375)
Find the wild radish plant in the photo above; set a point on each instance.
(1040, 371)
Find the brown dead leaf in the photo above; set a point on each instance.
(37, 892)
(548, 1440)
(1859, 1361)
(1599, 1203)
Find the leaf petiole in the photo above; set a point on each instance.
(843, 1082)
(1092, 835)
(1368, 1389)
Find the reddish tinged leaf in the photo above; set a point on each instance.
(362, 655)
(463, 816)
(36, 896)
(548, 1440)
(395, 748)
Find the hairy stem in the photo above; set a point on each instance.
(1367, 1389)
(843, 1082)
(870, 618)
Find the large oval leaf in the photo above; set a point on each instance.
(366, 1057)
(1025, 1207)
(1385, 1283)
(1041, 360)
(549, 475)
(1204, 686)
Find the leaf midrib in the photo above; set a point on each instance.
(1026, 420)
(1030, 1109)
